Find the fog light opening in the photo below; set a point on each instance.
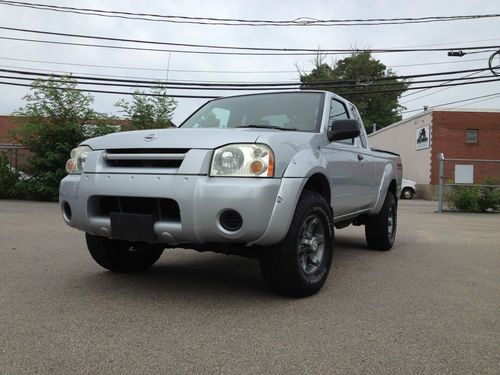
(231, 220)
(67, 211)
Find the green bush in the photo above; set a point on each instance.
(489, 196)
(463, 198)
(475, 198)
(8, 177)
(54, 120)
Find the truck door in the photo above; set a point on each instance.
(350, 168)
(367, 182)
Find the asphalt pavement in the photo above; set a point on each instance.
(429, 306)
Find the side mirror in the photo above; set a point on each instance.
(343, 129)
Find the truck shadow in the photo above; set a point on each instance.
(347, 243)
(187, 276)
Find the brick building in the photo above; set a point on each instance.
(458, 134)
(16, 153)
(7, 123)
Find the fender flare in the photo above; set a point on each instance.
(388, 176)
(301, 167)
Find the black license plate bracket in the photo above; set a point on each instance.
(132, 227)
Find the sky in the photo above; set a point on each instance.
(162, 65)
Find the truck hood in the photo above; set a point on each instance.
(174, 138)
(285, 144)
(199, 138)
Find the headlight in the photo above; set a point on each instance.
(244, 160)
(77, 159)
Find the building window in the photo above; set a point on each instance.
(471, 135)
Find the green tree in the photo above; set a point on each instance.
(148, 111)
(52, 122)
(381, 108)
(8, 177)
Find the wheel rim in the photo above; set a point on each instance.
(407, 194)
(391, 224)
(311, 246)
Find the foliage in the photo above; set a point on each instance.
(475, 198)
(380, 108)
(8, 177)
(463, 198)
(148, 111)
(489, 196)
(53, 121)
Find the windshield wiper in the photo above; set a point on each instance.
(265, 127)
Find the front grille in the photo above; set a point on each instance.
(145, 163)
(145, 158)
(161, 208)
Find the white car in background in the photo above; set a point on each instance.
(408, 189)
(22, 176)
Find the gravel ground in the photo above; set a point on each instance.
(429, 306)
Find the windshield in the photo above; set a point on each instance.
(289, 111)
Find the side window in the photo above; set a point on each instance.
(338, 111)
(355, 114)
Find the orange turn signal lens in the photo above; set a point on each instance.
(257, 167)
(270, 164)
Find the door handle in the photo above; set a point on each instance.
(360, 157)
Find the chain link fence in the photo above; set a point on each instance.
(468, 184)
(14, 153)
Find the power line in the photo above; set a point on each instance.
(480, 101)
(435, 63)
(273, 84)
(255, 50)
(168, 50)
(212, 97)
(424, 96)
(270, 87)
(163, 69)
(112, 82)
(454, 102)
(50, 72)
(302, 21)
(65, 72)
(215, 71)
(116, 92)
(448, 43)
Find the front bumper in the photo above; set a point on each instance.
(266, 205)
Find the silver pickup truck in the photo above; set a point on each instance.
(264, 175)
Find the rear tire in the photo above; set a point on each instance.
(299, 265)
(407, 193)
(380, 230)
(122, 256)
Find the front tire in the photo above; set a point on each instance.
(122, 256)
(299, 265)
(380, 230)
